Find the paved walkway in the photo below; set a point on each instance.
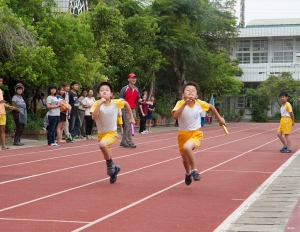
(274, 206)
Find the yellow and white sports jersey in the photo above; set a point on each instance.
(190, 117)
(286, 109)
(106, 122)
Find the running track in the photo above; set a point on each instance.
(66, 188)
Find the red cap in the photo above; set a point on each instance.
(131, 75)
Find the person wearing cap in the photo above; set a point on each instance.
(131, 94)
(3, 105)
(19, 114)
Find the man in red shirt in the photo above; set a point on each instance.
(131, 94)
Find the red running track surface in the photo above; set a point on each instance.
(66, 188)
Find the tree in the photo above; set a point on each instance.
(278, 83)
(189, 29)
(217, 74)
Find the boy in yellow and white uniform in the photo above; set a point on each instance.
(105, 112)
(286, 123)
(187, 112)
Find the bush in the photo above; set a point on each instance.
(10, 126)
(34, 122)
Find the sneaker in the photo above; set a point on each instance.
(132, 145)
(144, 132)
(69, 141)
(70, 136)
(110, 168)
(287, 150)
(188, 179)
(123, 145)
(113, 177)
(282, 149)
(53, 145)
(196, 175)
(80, 137)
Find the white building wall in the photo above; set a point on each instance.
(258, 72)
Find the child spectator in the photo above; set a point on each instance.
(286, 123)
(87, 104)
(151, 109)
(187, 111)
(105, 112)
(3, 105)
(53, 105)
(64, 108)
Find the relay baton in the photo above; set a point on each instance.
(225, 129)
(132, 129)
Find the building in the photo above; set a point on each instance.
(73, 6)
(265, 47)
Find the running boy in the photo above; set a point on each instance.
(104, 112)
(187, 111)
(286, 123)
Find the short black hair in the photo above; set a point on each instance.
(1, 77)
(192, 84)
(51, 86)
(104, 83)
(283, 94)
(74, 83)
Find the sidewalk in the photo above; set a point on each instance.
(275, 206)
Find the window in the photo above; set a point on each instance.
(243, 51)
(297, 46)
(243, 102)
(244, 58)
(243, 46)
(283, 57)
(283, 51)
(260, 51)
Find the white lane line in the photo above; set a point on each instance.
(94, 182)
(82, 165)
(41, 220)
(64, 148)
(161, 191)
(239, 171)
(58, 157)
(254, 196)
(120, 157)
(81, 186)
(80, 153)
(75, 147)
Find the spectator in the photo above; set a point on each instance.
(64, 108)
(41, 102)
(19, 114)
(129, 93)
(81, 111)
(74, 122)
(151, 109)
(53, 105)
(68, 136)
(3, 105)
(143, 111)
(89, 122)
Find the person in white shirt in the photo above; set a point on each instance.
(87, 103)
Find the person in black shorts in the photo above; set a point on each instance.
(151, 109)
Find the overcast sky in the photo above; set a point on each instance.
(269, 9)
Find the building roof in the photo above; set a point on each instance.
(273, 22)
(258, 32)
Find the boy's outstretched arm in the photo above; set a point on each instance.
(215, 112)
(127, 107)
